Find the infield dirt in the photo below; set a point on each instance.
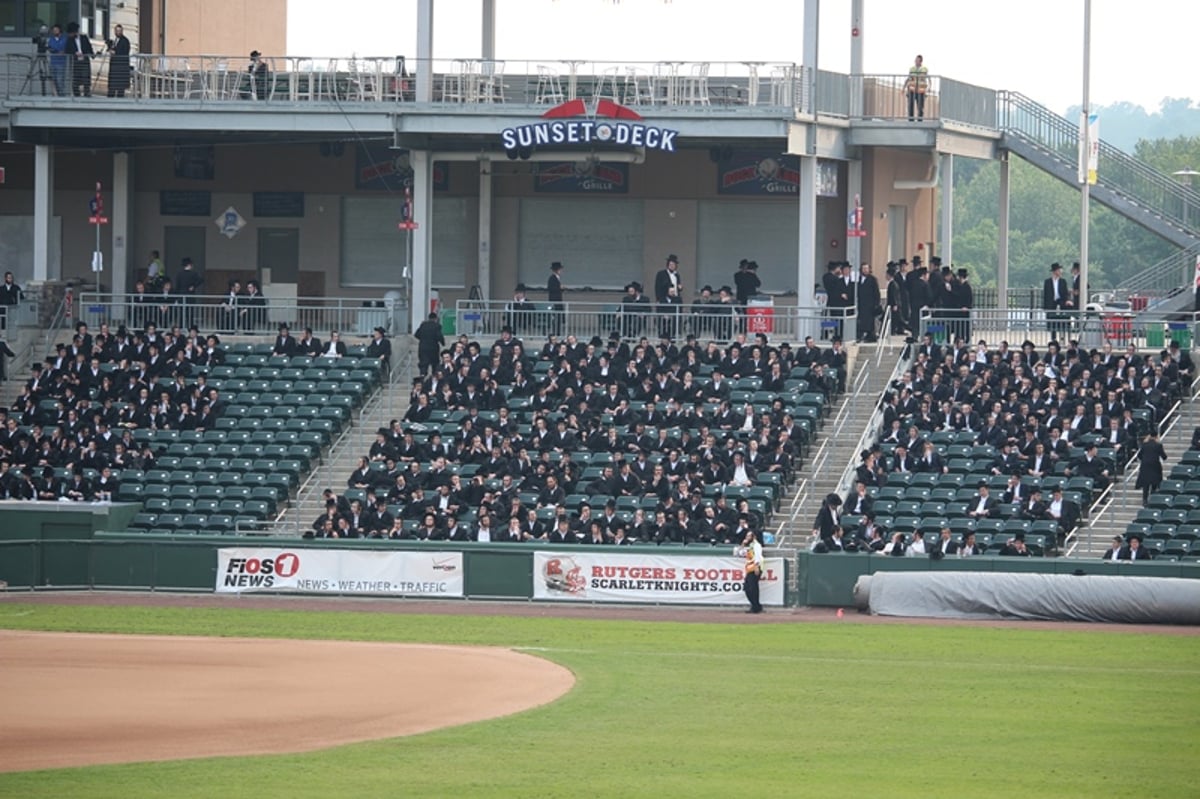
(73, 699)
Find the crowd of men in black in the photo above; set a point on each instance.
(658, 428)
(156, 384)
(1066, 411)
(909, 288)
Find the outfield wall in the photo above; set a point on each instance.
(489, 571)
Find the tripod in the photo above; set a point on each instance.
(38, 68)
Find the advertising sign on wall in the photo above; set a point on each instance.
(582, 177)
(597, 577)
(333, 571)
(767, 173)
(380, 168)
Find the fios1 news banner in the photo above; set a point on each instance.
(334, 571)
(589, 577)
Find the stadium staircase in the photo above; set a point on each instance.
(870, 368)
(390, 402)
(1123, 513)
(1126, 185)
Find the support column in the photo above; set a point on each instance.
(424, 51)
(854, 190)
(422, 250)
(488, 19)
(857, 45)
(43, 213)
(122, 221)
(807, 256)
(812, 24)
(1002, 237)
(485, 228)
(946, 245)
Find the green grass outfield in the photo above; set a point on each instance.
(685, 710)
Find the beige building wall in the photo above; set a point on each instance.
(214, 27)
(882, 167)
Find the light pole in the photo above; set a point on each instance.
(1185, 177)
(1085, 154)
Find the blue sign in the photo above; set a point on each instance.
(582, 177)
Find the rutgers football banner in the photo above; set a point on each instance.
(594, 577)
(334, 571)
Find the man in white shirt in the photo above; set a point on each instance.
(917, 547)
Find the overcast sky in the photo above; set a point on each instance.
(1141, 52)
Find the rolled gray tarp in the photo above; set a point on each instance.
(1047, 597)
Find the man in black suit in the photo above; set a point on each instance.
(946, 545)
(1114, 552)
(1056, 298)
(667, 278)
(284, 343)
(983, 505)
(554, 293)
(857, 502)
(79, 54)
(1134, 549)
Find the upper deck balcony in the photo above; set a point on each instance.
(295, 95)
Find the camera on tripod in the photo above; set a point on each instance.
(42, 40)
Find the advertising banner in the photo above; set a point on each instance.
(377, 167)
(582, 177)
(601, 577)
(759, 173)
(333, 571)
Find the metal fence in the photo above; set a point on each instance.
(393, 79)
(536, 321)
(216, 314)
(1119, 328)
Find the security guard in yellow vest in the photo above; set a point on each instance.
(752, 551)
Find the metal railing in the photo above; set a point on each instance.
(215, 314)
(1020, 116)
(873, 426)
(1167, 277)
(886, 97)
(393, 79)
(721, 323)
(1120, 329)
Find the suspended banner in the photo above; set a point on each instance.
(582, 177)
(377, 167)
(334, 571)
(1093, 148)
(597, 577)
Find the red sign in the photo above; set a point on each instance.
(407, 225)
(1, 174)
(98, 220)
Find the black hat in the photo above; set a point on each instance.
(705, 288)
(383, 332)
(1135, 537)
(637, 286)
(726, 289)
(255, 54)
(628, 286)
(752, 265)
(982, 484)
(962, 272)
(934, 261)
(1020, 536)
(1055, 267)
(521, 287)
(945, 270)
(743, 263)
(672, 259)
(555, 266)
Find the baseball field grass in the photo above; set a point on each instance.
(723, 710)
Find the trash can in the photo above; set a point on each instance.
(1090, 335)
(760, 314)
(1155, 335)
(1138, 302)
(1181, 334)
(448, 323)
(938, 331)
(1118, 328)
